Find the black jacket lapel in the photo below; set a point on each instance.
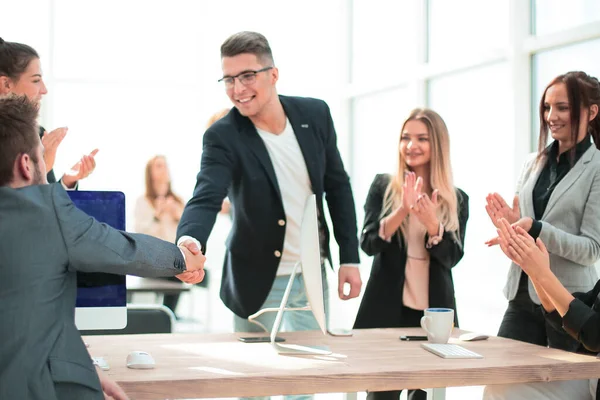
(304, 131)
(257, 146)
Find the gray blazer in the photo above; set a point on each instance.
(44, 240)
(570, 224)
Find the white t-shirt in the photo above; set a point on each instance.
(295, 186)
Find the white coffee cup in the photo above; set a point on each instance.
(438, 323)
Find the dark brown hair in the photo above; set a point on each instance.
(15, 58)
(18, 133)
(583, 91)
(248, 43)
(150, 192)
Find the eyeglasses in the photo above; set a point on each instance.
(245, 78)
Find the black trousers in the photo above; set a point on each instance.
(524, 321)
(410, 319)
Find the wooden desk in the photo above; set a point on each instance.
(218, 365)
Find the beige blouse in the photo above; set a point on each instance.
(416, 275)
(164, 228)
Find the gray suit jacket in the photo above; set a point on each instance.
(570, 224)
(44, 240)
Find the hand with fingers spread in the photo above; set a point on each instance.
(524, 223)
(51, 141)
(411, 190)
(410, 193)
(425, 209)
(496, 207)
(81, 170)
(194, 262)
(531, 255)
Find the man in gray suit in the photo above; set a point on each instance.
(44, 240)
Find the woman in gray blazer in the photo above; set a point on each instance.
(558, 200)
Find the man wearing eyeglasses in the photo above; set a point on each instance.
(269, 154)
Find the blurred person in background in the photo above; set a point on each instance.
(159, 210)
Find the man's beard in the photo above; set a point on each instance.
(38, 177)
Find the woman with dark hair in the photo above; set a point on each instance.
(558, 200)
(21, 74)
(159, 210)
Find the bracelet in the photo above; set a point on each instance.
(435, 240)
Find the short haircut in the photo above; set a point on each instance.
(18, 133)
(15, 58)
(248, 43)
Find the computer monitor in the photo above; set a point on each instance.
(310, 263)
(101, 297)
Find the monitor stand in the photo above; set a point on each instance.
(289, 349)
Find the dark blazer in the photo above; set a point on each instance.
(380, 306)
(44, 240)
(235, 162)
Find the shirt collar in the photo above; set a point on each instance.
(580, 148)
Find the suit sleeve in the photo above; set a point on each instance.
(96, 247)
(450, 250)
(213, 181)
(370, 242)
(340, 200)
(583, 248)
(581, 321)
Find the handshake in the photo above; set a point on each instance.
(194, 262)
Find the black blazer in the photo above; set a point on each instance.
(380, 306)
(235, 162)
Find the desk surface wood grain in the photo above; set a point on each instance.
(218, 365)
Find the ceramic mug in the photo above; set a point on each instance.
(438, 323)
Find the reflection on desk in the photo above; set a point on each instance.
(218, 365)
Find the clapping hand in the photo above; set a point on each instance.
(497, 208)
(425, 209)
(411, 190)
(531, 255)
(51, 141)
(82, 169)
(524, 223)
(194, 262)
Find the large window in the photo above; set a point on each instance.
(476, 108)
(137, 84)
(377, 122)
(385, 39)
(552, 16)
(467, 29)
